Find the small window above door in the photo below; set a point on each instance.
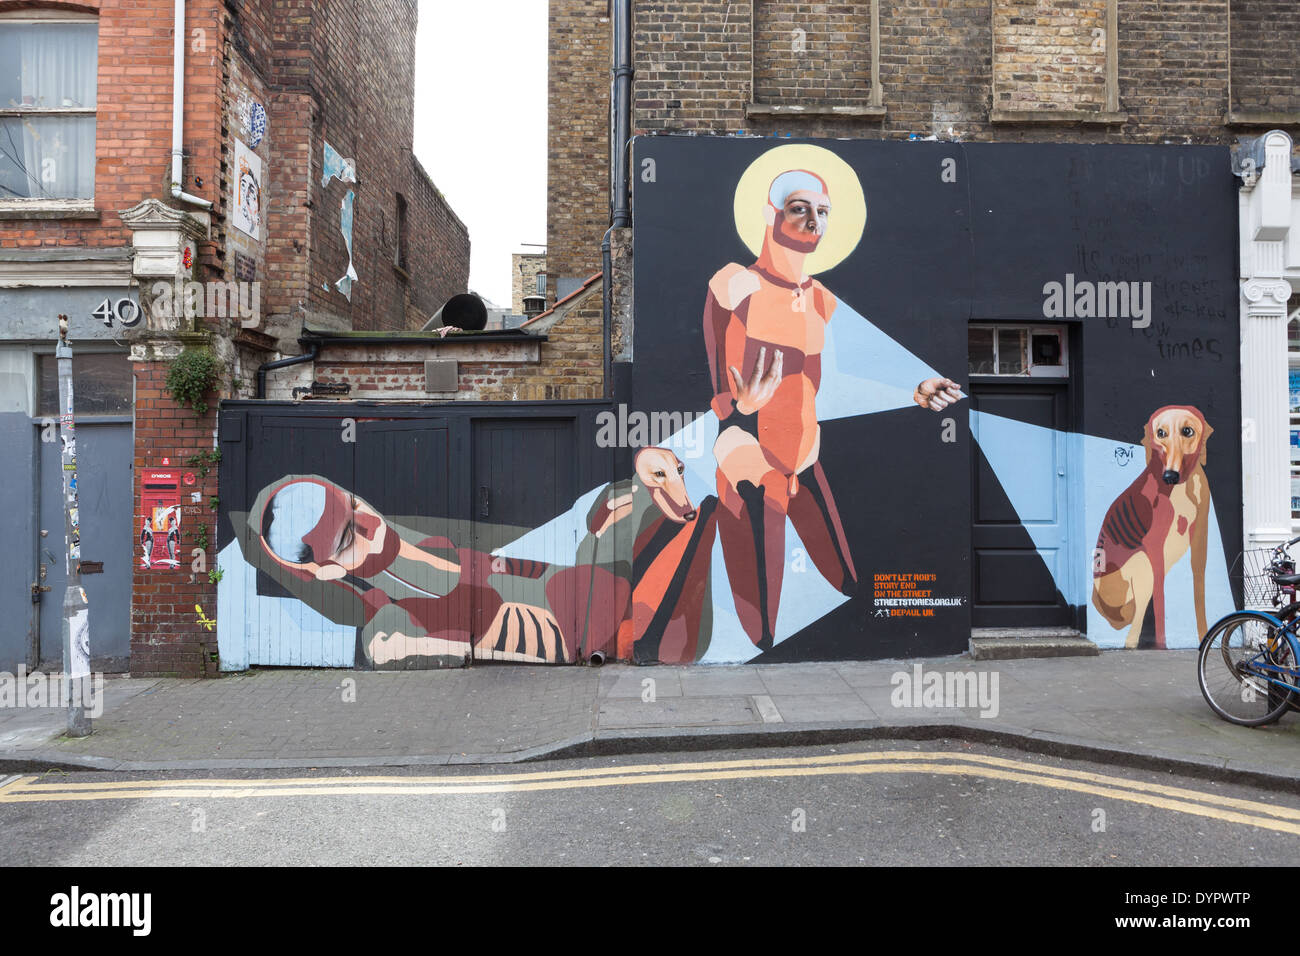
(1026, 351)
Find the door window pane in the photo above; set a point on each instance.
(101, 384)
(1011, 351)
(980, 349)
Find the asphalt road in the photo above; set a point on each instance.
(896, 803)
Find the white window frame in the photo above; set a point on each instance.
(1031, 370)
(44, 204)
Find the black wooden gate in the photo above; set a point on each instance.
(385, 535)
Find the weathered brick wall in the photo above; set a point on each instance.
(569, 366)
(692, 66)
(577, 146)
(1049, 55)
(571, 362)
(133, 117)
(166, 636)
(438, 249)
(1265, 61)
(809, 52)
(524, 267)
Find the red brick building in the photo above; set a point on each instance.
(295, 200)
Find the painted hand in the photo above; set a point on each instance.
(758, 391)
(443, 330)
(937, 394)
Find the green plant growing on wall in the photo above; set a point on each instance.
(204, 461)
(192, 375)
(216, 574)
(201, 536)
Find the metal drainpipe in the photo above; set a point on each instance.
(178, 107)
(312, 353)
(620, 101)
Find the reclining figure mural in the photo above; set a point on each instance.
(420, 598)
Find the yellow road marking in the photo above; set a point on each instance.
(892, 762)
(463, 781)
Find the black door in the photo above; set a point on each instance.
(1018, 533)
(525, 474)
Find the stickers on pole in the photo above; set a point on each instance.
(79, 645)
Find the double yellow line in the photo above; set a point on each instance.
(30, 789)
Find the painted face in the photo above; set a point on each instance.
(248, 194)
(802, 220)
(346, 531)
(1176, 437)
(661, 472)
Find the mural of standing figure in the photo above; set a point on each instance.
(1153, 523)
(764, 329)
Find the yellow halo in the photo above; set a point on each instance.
(848, 204)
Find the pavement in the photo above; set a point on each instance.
(1132, 708)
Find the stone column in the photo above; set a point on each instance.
(1265, 408)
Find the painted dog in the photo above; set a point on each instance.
(1153, 523)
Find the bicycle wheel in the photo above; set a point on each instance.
(1230, 674)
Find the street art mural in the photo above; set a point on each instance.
(835, 482)
(1158, 519)
(764, 329)
(246, 211)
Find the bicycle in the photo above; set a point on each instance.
(1249, 662)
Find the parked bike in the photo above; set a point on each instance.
(1249, 664)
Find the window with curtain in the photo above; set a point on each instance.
(47, 107)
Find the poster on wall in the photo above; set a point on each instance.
(1294, 382)
(246, 210)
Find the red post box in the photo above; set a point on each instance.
(160, 528)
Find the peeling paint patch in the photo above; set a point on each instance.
(344, 284)
(336, 166)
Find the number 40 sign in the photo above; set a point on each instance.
(126, 311)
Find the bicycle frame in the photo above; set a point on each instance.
(1260, 668)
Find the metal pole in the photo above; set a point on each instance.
(76, 610)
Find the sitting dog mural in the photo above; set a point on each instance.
(670, 544)
(1162, 515)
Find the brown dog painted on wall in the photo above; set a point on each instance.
(1153, 523)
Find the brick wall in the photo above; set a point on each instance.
(524, 267)
(577, 145)
(166, 636)
(808, 51)
(569, 365)
(133, 116)
(692, 62)
(1049, 55)
(1265, 62)
(439, 249)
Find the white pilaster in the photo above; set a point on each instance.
(1266, 228)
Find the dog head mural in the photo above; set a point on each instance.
(661, 471)
(1175, 440)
